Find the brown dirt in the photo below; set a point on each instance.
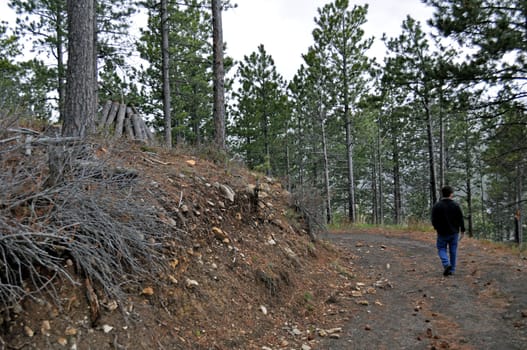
(261, 283)
(483, 306)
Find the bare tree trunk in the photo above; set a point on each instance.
(166, 77)
(81, 101)
(442, 145)
(352, 216)
(397, 201)
(329, 217)
(195, 121)
(431, 162)
(219, 75)
(483, 211)
(469, 208)
(349, 155)
(375, 205)
(379, 172)
(267, 146)
(288, 167)
(94, 62)
(518, 214)
(301, 159)
(267, 160)
(61, 69)
(468, 176)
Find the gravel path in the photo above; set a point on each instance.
(483, 306)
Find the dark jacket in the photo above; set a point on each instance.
(447, 217)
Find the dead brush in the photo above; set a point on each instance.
(61, 201)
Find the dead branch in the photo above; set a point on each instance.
(90, 216)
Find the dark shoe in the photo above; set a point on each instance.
(447, 271)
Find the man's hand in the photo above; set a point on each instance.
(461, 235)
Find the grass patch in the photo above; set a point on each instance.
(342, 227)
(510, 247)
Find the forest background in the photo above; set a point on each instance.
(354, 139)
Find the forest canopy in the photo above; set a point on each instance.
(359, 140)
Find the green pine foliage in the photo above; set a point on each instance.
(369, 142)
(190, 70)
(257, 128)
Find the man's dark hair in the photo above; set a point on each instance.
(446, 191)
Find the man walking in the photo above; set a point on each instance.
(447, 219)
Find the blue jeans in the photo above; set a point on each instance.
(450, 243)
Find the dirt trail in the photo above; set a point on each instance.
(483, 306)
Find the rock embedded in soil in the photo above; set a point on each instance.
(29, 332)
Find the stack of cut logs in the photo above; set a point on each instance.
(122, 120)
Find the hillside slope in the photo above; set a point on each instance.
(127, 247)
(156, 250)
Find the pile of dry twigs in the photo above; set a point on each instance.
(62, 202)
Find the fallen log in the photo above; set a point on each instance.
(120, 121)
(104, 113)
(111, 115)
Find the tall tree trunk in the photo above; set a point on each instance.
(375, 205)
(166, 74)
(469, 208)
(518, 213)
(482, 195)
(195, 118)
(288, 167)
(301, 160)
(80, 103)
(397, 201)
(219, 75)
(442, 145)
(431, 162)
(267, 146)
(95, 56)
(468, 176)
(349, 142)
(352, 216)
(380, 174)
(61, 69)
(329, 218)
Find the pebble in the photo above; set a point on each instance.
(29, 332)
(45, 328)
(71, 331)
(263, 309)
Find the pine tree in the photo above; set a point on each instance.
(190, 57)
(258, 122)
(494, 31)
(411, 67)
(44, 22)
(9, 71)
(339, 33)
